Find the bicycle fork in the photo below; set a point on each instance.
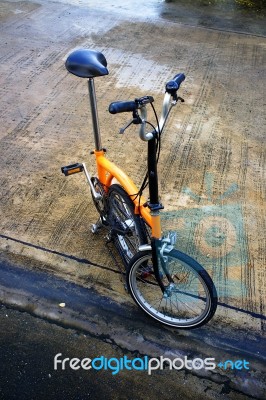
(160, 249)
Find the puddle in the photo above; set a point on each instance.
(247, 16)
(144, 9)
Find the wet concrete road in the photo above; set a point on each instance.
(212, 165)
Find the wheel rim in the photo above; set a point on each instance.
(184, 303)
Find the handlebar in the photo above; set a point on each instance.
(179, 78)
(170, 99)
(122, 106)
(173, 85)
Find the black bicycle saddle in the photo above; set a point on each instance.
(86, 63)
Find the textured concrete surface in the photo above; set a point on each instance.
(213, 156)
(212, 165)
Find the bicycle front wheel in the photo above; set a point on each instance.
(189, 299)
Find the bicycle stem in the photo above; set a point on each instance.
(168, 103)
(167, 106)
(153, 175)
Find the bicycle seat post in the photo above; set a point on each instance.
(89, 64)
(94, 114)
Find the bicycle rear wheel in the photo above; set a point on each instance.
(127, 228)
(189, 301)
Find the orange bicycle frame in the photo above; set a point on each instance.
(107, 170)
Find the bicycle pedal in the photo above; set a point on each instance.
(97, 226)
(72, 169)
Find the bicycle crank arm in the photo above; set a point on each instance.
(76, 168)
(120, 231)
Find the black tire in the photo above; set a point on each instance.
(127, 228)
(190, 301)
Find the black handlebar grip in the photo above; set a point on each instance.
(122, 106)
(179, 78)
(172, 86)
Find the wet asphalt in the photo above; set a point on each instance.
(42, 316)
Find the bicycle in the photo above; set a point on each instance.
(170, 286)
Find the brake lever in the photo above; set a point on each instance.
(136, 120)
(122, 130)
(177, 98)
